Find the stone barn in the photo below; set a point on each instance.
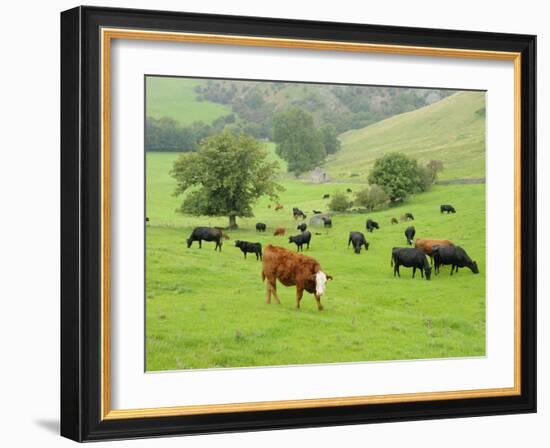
(319, 175)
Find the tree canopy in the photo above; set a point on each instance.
(298, 142)
(227, 174)
(399, 176)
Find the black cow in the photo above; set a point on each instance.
(358, 240)
(371, 225)
(326, 196)
(300, 240)
(302, 226)
(317, 212)
(327, 222)
(297, 213)
(260, 227)
(447, 208)
(206, 234)
(409, 234)
(349, 190)
(455, 256)
(253, 248)
(409, 216)
(410, 258)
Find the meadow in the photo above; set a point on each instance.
(207, 309)
(451, 130)
(165, 97)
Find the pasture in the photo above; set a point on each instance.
(207, 309)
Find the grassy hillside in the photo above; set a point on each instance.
(451, 130)
(207, 309)
(176, 98)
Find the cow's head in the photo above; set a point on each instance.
(428, 272)
(189, 242)
(321, 282)
(473, 267)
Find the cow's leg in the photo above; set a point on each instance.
(299, 294)
(421, 272)
(318, 300)
(274, 290)
(452, 269)
(244, 255)
(200, 244)
(267, 292)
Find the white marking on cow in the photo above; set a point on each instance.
(320, 283)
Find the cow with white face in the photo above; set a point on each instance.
(293, 269)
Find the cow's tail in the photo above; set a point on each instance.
(391, 261)
(263, 276)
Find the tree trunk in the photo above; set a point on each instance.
(233, 222)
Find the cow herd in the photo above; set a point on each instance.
(286, 266)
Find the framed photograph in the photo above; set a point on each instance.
(273, 223)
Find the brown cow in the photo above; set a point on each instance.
(279, 231)
(291, 268)
(279, 207)
(426, 245)
(394, 221)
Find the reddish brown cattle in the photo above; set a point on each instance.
(292, 269)
(426, 245)
(279, 231)
(279, 207)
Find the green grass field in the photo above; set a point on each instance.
(207, 309)
(451, 130)
(176, 98)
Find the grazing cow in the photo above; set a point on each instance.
(394, 221)
(146, 219)
(410, 258)
(409, 234)
(292, 269)
(297, 213)
(300, 240)
(455, 256)
(302, 226)
(371, 225)
(268, 205)
(358, 240)
(279, 231)
(447, 208)
(317, 212)
(327, 222)
(279, 207)
(426, 245)
(407, 217)
(206, 234)
(260, 227)
(326, 196)
(253, 248)
(349, 190)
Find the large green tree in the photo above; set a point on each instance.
(298, 142)
(399, 176)
(329, 137)
(227, 174)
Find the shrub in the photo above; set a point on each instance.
(339, 202)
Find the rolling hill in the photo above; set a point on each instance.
(451, 130)
(176, 98)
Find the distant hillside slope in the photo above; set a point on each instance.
(176, 98)
(451, 130)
